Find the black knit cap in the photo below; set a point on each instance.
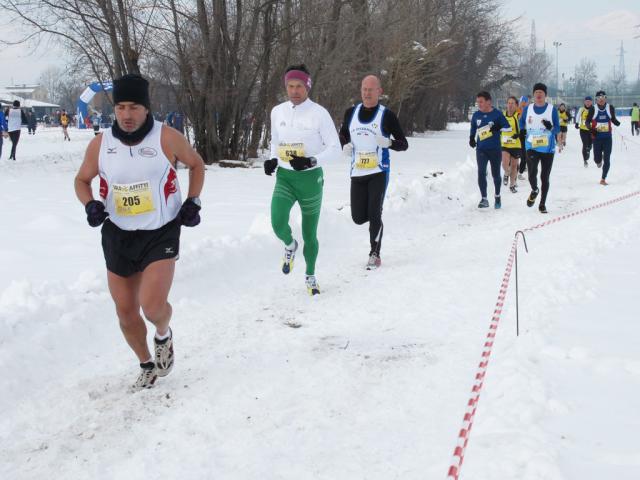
(131, 88)
(540, 86)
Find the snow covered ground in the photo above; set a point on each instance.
(369, 380)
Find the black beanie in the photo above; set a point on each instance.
(540, 86)
(16, 103)
(131, 88)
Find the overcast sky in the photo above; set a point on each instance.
(586, 28)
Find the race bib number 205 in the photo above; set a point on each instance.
(133, 198)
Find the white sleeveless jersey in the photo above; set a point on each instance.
(138, 184)
(538, 137)
(14, 120)
(367, 157)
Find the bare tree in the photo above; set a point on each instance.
(585, 76)
(222, 61)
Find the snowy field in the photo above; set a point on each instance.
(370, 379)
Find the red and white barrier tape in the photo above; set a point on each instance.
(580, 212)
(472, 404)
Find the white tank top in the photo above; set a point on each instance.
(138, 184)
(538, 137)
(534, 120)
(14, 122)
(367, 157)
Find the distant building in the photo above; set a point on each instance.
(29, 92)
(38, 107)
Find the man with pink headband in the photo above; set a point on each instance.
(303, 138)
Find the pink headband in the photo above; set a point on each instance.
(298, 75)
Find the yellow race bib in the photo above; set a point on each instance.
(286, 150)
(507, 139)
(366, 160)
(539, 141)
(485, 132)
(133, 198)
(602, 127)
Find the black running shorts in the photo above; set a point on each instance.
(563, 128)
(127, 252)
(514, 152)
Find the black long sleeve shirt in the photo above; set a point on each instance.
(390, 126)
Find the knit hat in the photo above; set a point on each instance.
(16, 103)
(304, 77)
(131, 88)
(540, 86)
(601, 93)
(588, 97)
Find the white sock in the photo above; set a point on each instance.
(163, 337)
(292, 246)
(149, 360)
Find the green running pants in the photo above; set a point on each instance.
(304, 187)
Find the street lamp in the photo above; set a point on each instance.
(557, 44)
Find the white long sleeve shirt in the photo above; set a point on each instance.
(306, 130)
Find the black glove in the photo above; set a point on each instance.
(472, 142)
(188, 214)
(577, 126)
(495, 128)
(515, 136)
(270, 166)
(547, 124)
(616, 122)
(95, 213)
(300, 163)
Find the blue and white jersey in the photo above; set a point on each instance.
(601, 122)
(538, 137)
(367, 157)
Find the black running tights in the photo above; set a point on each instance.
(546, 162)
(367, 197)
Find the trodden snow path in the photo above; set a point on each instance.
(367, 380)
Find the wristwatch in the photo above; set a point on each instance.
(195, 200)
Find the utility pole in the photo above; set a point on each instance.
(621, 72)
(638, 37)
(557, 44)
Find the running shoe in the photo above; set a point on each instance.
(374, 261)
(599, 164)
(484, 203)
(542, 209)
(513, 188)
(498, 202)
(287, 259)
(603, 182)
(521, 176)
(164, 355)
(532, 198)
(312, 285)
(147, 376)
(586, 164)
(505, 180)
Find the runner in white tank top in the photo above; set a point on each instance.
(142, 214)
(138, 184)
(365, 135)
